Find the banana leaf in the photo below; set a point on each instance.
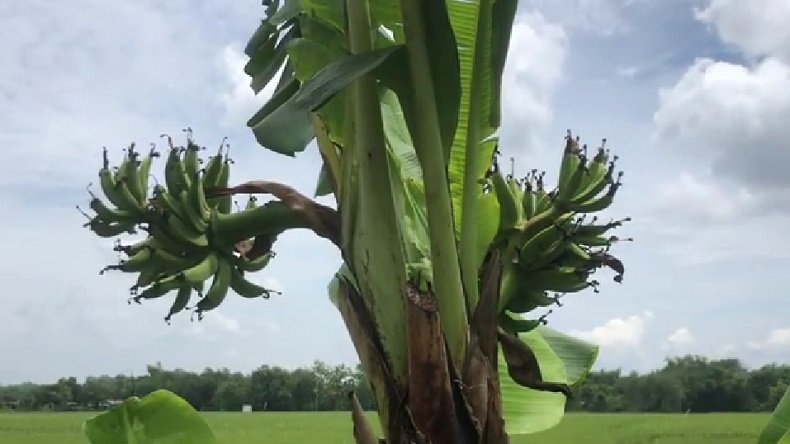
(778, 428)
(562, 359)
(158, 418)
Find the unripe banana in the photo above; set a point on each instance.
(145, 173)
(175, 177)
(256, 264)
(185, 234)
(508, 205)
(203, 270)
(180, 302)
(515, 324)
(191, 159)
(528, 301)
(560, 279)
(597, 204)
(245, 288)
(193, 217)
(108, 214)
(131, 177)
(197, 198)
(570, 160)
(218, 290)
(110, 229)
(596, 179)
(158, 289)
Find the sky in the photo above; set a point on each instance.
(693, 95)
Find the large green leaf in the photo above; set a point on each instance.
(577, 355)
(287, 129)
(562, 359)
(778, 428)
(159, 418)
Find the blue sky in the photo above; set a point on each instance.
(693, 95)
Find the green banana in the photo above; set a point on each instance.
(569, 160)
(176, 178)
(191, 159)
(203, 270)
(180, 302)
(158, 289)
(137, 261)
(597, 230)
(197, 198)
(560, 279)
(244, 287)
(256, 264)
(193, 217)
(115, 191)
(545, 242)
(597, 177)
(108, 214)
(213, 169)
(225, 202)
(514, 324)
(167, 241)
(508, 206)
(110, 229)
(571, 186)
(598, 204)
(529, 200)
(518, 196)
(528, 301)
(167, 203)
(218, 290)
(145, 172)
(184, 233)
(131, 176)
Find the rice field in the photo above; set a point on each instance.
(335, 428)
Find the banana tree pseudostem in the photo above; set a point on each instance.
(446, 257)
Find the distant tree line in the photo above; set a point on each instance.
(319, 387)
(686, 384)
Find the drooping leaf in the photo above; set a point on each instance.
(777, 430)
(578, 356)
(531, 411)
(287, 129)
(561, 359)
(158, 418)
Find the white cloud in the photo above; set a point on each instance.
(681, 337)
(759, 27)
(618, 332)
(777, 339)
(689, 197)
(603, 17)
(734, 117)
(533, 68)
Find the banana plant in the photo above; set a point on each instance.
(449, 262)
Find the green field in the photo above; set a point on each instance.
(330, 428)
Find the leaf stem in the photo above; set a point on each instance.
(471, 189)
(428, 145)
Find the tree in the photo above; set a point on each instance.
(446, 257)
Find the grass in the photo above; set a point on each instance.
(335, 428)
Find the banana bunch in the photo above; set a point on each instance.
(548, 242)
(191, 239)
(126, 190)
